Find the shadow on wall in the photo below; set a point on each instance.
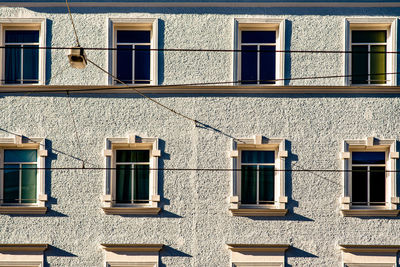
(49, 37)
(168, 251)
(53, 251)
(288, 58)
(294, 252)
(161, 45)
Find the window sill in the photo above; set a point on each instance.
(258, 212)
(22, 210)
(369, 212)
(132, 210)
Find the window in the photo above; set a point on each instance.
(22, 255)
(131, 181)
(369, 255)
(257, 177)
(132, 255)
(22, 183)
(23, 62)
(369, 41)
(258, 62)
(258, 188)
(369, 189)
(133, 60)
(260, 255)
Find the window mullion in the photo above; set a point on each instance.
(133, 62)
(133, 183)
(258, 65)
(368, 186)
(22, 64)
(20, 184)
(258, 185)
(369, 63)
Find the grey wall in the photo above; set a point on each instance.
(195, 223)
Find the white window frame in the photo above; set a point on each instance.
(150, 24)
(369, 255)
(132, 142)
(371, 144)
(258, 142)
(22, 255)
(260, 255)
(388, 24)
(25, 24)
(20, 143)
(132, 255)
(260, 24)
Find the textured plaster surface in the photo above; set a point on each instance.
(195, 224)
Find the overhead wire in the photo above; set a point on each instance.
(73, 24)
(208, 50)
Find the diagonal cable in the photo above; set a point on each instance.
(73, 24)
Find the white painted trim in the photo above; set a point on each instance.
(372, 23)
(37, 23)
(201, 4)
(133, 23)
(131, 142)
(21, 263)
(387, 145)
(273, 24)
(273, 144)
(27, 143)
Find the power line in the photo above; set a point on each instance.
(73, 24)
(207, 50)
(206, 169)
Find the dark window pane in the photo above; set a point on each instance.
(359, 185)
(133, 155)
(141, 186)
(14, 155)
(258, 36)
(31, 63)
(368, 157)
(11, 183)
(22, 36)
(124, 63)
(12, 64)
(258, 156)
(378, 64)
(267, 64)
(249, 185)
(359, 64)
(124, 184)
(377, 185)
(142, 63)
(28, 183)
(133, 36)
(249, 64)
(368, 36)
(266, 183)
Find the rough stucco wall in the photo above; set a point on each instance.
(195, 223)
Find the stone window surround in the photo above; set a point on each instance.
(369, 255)
(22, 255)
(259, 143)
(150, 24)
(274, 24)
(18, 141)
(370, 144)
(132, 255)
(372, 23)
(25, 24)
(132, 142)
(260, 255)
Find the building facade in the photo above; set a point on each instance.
(222, 133)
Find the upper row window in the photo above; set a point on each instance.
(261, 60)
